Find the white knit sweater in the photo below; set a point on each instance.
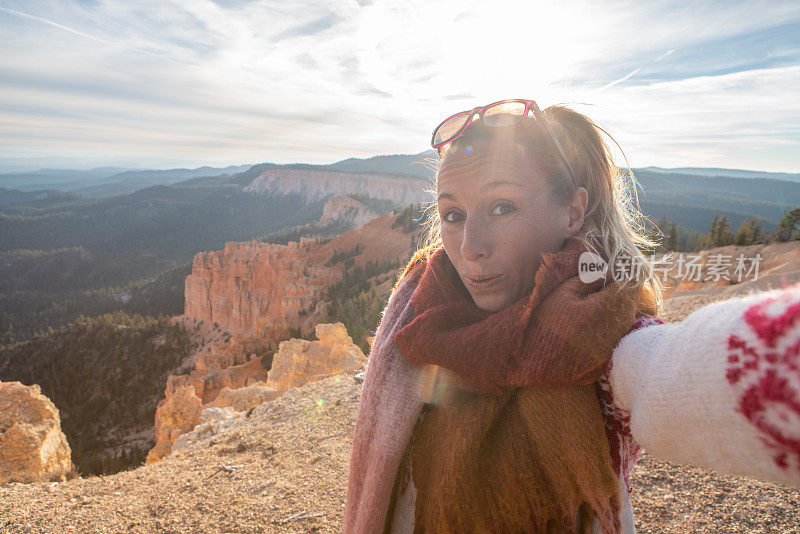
(720, 389)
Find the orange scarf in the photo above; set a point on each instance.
(518, 442)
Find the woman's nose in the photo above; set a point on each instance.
(475, 240)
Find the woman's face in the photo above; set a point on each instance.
(497, 220)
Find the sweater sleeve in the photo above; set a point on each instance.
(720, 389)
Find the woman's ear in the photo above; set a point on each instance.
(576, 210)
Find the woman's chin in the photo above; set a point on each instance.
(491, 303)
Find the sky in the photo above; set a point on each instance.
(168, 83)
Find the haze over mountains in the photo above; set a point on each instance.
(102, 240)
(691, 196)
(731, 173)
(107, 181)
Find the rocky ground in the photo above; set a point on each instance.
(284, 470)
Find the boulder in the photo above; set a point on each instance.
(32, 446)
(213, 421)
(299, 361)
(242, 399)
(176, 415)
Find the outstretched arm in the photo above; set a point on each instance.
(720, 389)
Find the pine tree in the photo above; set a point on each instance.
(723, 235)
(788, 224)
(672, 238)
(705, 241)
(750, 232)
(718, 235)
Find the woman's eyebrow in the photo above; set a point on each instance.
(498, 183)
(491, 185)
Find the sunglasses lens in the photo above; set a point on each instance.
(505, 114)
(450, 128)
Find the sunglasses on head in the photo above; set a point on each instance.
(496, 115)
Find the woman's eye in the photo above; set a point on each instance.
(503, 208)
(451, 216)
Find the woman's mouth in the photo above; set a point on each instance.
(481, 281)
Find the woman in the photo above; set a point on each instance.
(506, 391)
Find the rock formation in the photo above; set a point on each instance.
(257, 288)
(343, 210)
(379, 241)
(227, 372)
(216, 381)
(299, 361)
(212, 421)
(218, 365)
(318, 184)
(32, 446)
(266, 291)
(260, 293)
(242, 399)
(177, 414)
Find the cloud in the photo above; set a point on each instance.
(318, 25)
(54, 24)
(305, 80)
(731, 120)
(635, 71)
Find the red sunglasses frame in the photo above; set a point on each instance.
(530, 105)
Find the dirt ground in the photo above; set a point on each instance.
(286, 471)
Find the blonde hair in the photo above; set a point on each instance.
(612, 221)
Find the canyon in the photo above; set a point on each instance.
(345, 210)
(316, 184)
(269, 290)
(259, 289)
(262, 299)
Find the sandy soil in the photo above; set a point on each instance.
(288, 468)
(284, 469)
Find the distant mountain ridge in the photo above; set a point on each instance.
(422, 165)
(318, 184)
(729, 173)
(404, 179)
(106, 181)
(109, 181)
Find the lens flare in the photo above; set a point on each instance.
(433, 383)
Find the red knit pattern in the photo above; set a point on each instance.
(625, 451)
(760, 371)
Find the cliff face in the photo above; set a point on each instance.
(317, 185)
(231, 363)
(266, 290)
(258, 293)
(345, 210)
(380, 240)
(219, 380)
(257, 288)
